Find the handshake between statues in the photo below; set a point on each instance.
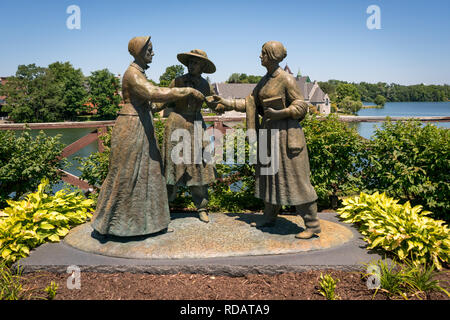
(218, 104)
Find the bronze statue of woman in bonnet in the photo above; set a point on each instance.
(133, 198)
(278, 100)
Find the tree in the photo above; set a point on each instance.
(171, 73)
(103, 93)
(243, 78)
(234, 78)
(350, 105)
(391, 92)
(33, 95)
(254, 79)
(327, 87)
(74, 91)
(344, 90)
(38, 94)
(380, 100)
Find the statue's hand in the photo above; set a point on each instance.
(218, 99)
(214, 102)
(272, 114)
(196, 94)
(227, 104)
(220, 109)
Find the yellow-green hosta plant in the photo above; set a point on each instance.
(39, 218)
(404, 230)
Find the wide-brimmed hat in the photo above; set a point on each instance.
(209, 67)
(136, 45)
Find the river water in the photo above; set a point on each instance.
(402, 109)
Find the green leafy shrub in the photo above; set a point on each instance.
(94, 168)
(40, 218)
(223, 198)
(336, 154)
(234, 190)
(328, 287)
(411, 163)
(25, 160)
(400, 229)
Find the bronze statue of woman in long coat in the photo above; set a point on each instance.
(133, 198)
(278, 100)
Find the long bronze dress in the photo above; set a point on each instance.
(185, 113)
(291, 184)
(133, 198)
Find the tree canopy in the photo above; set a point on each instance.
(344, 90)
(171, 73)
(243, 78)
(350, 105)
(35, 94)
(380, 100)
(103, 94)
(59, 92)
(392, 92)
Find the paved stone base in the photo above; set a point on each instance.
(227, 235)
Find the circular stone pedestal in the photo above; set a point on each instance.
(225, 235)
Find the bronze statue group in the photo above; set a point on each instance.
(134, 198)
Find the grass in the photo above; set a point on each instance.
(328, 287)
(421, 281)
(51, 290)
(392, 279)
(404, 281)
(10, 287)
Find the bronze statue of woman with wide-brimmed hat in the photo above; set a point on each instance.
(133, 198)
(192, 172)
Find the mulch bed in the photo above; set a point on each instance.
(287, 286)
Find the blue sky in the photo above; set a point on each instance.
(324, 39)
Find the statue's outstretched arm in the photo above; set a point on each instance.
(156, 94)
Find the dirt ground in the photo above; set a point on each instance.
(288, 286)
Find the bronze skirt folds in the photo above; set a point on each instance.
(290, 184)
(133, 198)
(187, 174)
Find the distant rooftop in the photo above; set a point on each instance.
(234, 90)
(310, 90)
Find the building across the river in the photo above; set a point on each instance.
(311, 91)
